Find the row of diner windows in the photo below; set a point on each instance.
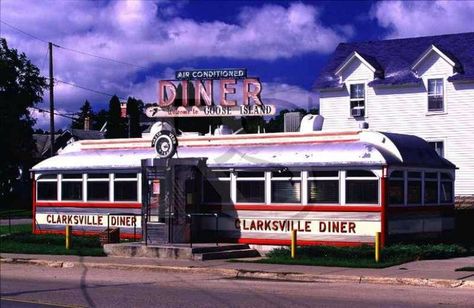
(88, 187)
(326, 187)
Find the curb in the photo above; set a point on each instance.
(258, 275)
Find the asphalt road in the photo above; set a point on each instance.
(38, 286)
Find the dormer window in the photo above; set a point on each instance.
(435, 95)
(357, 100)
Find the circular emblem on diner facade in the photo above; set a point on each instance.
(165, 143)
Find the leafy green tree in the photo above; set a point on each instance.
(85, 111)
(21, 88)
(115, 123)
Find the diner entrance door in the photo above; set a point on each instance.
(171, 190)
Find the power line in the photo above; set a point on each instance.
(56, 113)
(88, 89)
(21, 31)
(73, 50)
(100, 57)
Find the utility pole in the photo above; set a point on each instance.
(51, 97)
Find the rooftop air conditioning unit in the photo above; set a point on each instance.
(357, 111)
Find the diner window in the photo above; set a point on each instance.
(357, 100)
(286, 187)
(216, 187)
(431, 188)
(414, 188)
(435, 95)
(361, 187)
(446, 187)
(125, 187)
(323, 187)
(98, 187)
(250, 187)
(47, 187)
(396, 188)
(71, 187)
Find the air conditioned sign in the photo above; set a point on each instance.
(192, 94)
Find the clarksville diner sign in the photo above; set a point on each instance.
(192, 94)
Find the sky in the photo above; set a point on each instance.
(136, 43)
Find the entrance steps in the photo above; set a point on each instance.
(199, 251)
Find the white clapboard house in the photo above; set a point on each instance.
(422, 86)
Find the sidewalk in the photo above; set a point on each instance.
(435, 273)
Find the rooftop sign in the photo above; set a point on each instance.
(192, 94)
(212, 74)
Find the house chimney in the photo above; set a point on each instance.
(123, 109)
(86, 123)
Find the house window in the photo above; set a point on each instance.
(438, 146)
(251, 187)
(216, 188)
(435, 95)
(286, 187)
(357, 99)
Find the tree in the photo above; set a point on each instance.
(85, 111)
(21, 88)
(115, 124)
(100, 119)
(134, 110)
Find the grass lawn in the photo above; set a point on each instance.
(16, 229)
(15, 213)
(363, 256)
(23, 241)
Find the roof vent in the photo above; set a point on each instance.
(363, 125)
(291, 121)
(311, 123)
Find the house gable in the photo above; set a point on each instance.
(356, 67)
(433, 62)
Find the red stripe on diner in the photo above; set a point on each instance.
(88, 204)
(88, 233)
(275, 143)
(306, 208)
(234, 145)
(258, 241)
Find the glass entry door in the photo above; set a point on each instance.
(154, 209)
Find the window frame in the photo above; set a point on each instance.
(263, 179)
(298, 179)
(51, 180)
(443, 94)
(114, 179)
(361, 178)
(92, 180)
(217, 179)
(79, 179)
(358, 100)
(336, 178)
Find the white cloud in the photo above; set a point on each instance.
(148, 33)
(421, 18)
